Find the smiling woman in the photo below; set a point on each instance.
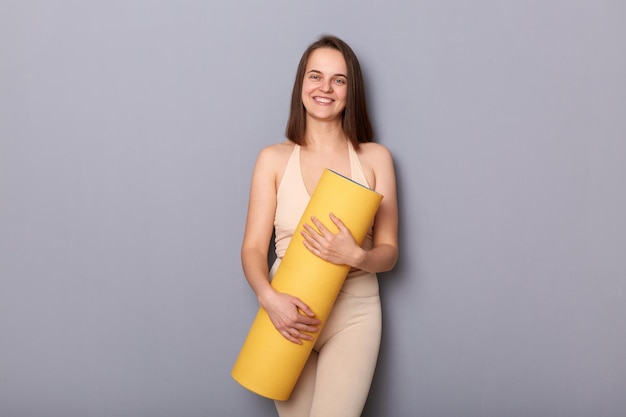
(328, 128)
(324, 88)
(355, 119)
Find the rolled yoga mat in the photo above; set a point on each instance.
(269, 364)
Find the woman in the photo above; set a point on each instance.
(328, 127)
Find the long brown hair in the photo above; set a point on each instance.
(355, 119)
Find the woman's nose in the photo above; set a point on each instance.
(326, 86)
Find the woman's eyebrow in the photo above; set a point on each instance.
(320, 72)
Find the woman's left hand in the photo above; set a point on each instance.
(339, 248)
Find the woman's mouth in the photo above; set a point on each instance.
(322, 100)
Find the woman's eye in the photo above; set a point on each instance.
(314, 77)
(340, 81)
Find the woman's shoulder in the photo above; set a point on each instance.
(273, 159)
(278, 149)
(276, 152)
(374, 152)
(377, 163)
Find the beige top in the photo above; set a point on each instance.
(292, 198)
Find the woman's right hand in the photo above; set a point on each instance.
(291, 316)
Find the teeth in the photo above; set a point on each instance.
(323, 100)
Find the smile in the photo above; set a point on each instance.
(323, 100)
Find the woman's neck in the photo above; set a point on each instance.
(322, 134)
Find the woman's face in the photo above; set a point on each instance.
(325, 86)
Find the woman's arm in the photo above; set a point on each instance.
(284, 310)
(259, 224)
(340, 247)
(384, 254)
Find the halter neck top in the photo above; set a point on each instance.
(292, 198)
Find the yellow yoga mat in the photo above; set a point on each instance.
(269, 364)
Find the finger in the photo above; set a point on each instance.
(304, 308)
(311, 233)
(320, 226)
(337, 221)
(313, 249)
(311, 243)
(307, 321)
(303, 327)
(303, 332)
(289, 337)
(296, 334)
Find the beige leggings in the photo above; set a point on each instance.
(336, 379)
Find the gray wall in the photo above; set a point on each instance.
(128, 133)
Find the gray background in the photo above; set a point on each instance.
(128, 134)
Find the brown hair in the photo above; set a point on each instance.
(355, 120)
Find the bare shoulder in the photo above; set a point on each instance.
(377, 165)
(275, 155)
(374, 154)
(271, 163)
